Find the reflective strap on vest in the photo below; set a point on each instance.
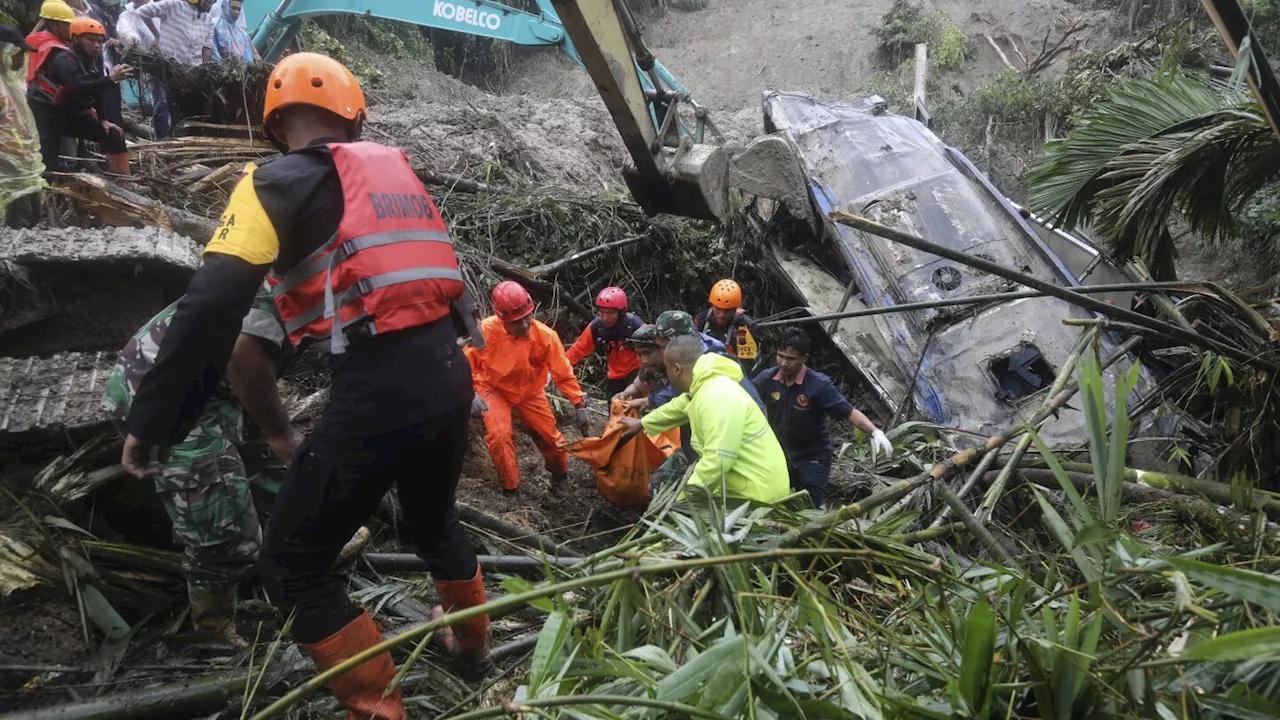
(308, 268)
(333, 303)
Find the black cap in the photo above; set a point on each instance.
(12, 36)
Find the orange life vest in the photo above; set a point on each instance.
(389, 267)
(39, 87)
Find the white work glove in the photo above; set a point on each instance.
(880, 443)
(478, 406)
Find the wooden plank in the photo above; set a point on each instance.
(920, 93)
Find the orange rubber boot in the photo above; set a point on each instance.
(360, 690)
(467, 641)
(118, 163)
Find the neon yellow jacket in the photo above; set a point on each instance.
(739, 454)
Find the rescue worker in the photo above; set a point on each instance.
(68, 92)
(206, 484)
(727, 322)
(645, 394)
(346, 230)
(739, 456)
(510, 374)
(608, 334)
(799, 400)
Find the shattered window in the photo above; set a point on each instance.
(1021, 373)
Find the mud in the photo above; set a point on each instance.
(452, 127)
(577, 518)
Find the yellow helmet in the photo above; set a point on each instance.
(57, 10)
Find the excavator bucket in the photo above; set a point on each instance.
(695, 185)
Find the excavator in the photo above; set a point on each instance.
(679, 164)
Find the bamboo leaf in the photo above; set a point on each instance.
(514, 585)
(653, 656)
(975, 663)
(546, 654)
(1254, 644)
(1248, 585)
(1091, 535)
(689, 678)
(1252, 708)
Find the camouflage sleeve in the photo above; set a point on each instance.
(263, 320)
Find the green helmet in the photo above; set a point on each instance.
(646, 334)
(674, 323)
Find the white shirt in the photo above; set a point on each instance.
(186, 31)
(131, 27)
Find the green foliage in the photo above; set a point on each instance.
(16, 12)
(1259, 230)
(316, 39)
(949, 50)
(385, 37)
(1155, 149)
(908, 24)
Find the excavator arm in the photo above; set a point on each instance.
(673, 168)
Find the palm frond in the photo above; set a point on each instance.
(1158, 148)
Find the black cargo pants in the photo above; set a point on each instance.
(334, 485)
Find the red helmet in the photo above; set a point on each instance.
(613, 298)
(511, 301)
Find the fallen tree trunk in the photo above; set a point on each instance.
(515, 534)
(181, 699)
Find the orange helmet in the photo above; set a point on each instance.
(511, 302)
(314, 79)
(87, 26)
(726, 295)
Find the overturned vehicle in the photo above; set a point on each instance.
(973, 368)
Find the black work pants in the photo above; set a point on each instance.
(334, 485)
(813, 475)
(53, 124)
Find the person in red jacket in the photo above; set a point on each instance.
(510, 373)
(608, 334)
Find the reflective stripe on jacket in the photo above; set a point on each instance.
(739, 453)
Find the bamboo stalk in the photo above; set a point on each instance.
(943, 469)
(1024, 443)
(1202, 510)
(1189, 287)
(407, 562)
(180, 699)
(1185, 485)
(517, 600)
(1068, 295)
(529, 706)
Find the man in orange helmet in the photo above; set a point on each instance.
(608, 334)
(70, 94)
(727, 322)
(510, 373)
(358, 258)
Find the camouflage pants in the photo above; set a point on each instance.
(206, 492)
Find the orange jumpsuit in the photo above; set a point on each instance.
(510, 374)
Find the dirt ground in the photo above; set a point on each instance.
(733, 50)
